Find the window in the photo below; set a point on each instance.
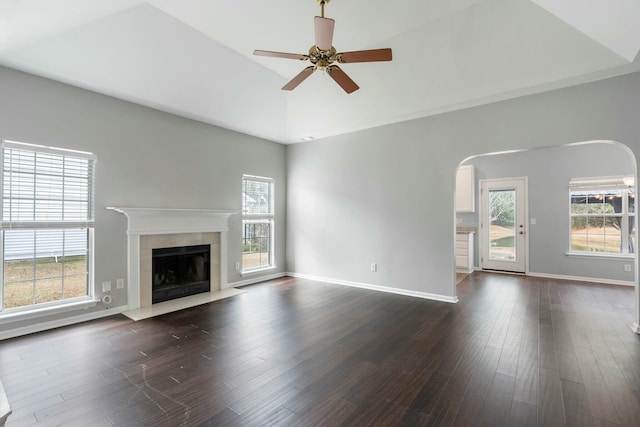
(602, 215)
(257, 223)
(47, 225)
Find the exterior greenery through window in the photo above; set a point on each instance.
(257, 223)
(602, 215)
(502, 208)
(47, 225)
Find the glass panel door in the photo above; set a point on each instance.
(503, 235)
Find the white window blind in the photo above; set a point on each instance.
(46, 187)
(47, 225)
(595, 184)
(602, 213)
(257, 196)
(257, 223)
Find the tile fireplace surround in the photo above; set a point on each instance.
(151, 228)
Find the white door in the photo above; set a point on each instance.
(503, 226)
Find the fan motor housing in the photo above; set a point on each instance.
(322, 58)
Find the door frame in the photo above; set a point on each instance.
(482, 214)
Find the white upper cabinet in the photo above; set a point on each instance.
(465, 189)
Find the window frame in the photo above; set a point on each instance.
(259, 218)
(626, 186)
(88, 223)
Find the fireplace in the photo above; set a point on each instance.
(156, 228)
(179, 272)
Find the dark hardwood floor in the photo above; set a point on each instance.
(515, 351)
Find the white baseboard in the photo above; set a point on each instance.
(424, 295)
(256, 279)
(581, 279)
(39, 327)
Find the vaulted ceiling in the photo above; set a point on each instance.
(194, 57)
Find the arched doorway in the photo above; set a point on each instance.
(549, 171)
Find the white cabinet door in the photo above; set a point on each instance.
(464, 252)
(465, 189)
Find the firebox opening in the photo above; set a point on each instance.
(179, 272)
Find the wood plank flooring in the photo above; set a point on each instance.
(515, 351)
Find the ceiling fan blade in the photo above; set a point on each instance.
(280, 54)
(372, 55)
(324, 32)
(342, 79)
(299, 78)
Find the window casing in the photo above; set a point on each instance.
(602, 212)
(47, 226)
(257, 223)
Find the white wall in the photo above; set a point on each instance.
(385, 195)
(146, 158)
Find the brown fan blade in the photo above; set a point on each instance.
(342, 79)
(372, 55)
(324, 32)
(280, 54)
(299, 78)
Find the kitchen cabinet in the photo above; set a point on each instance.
(464, 250)
(465, 189)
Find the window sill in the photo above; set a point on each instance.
(600, 255)
(33, 313)
(245, 273)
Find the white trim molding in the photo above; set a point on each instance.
(416, 294)
(5, 408)
(39, 327)
(600, 255)
(157, 221)
(48, 310)
(256, 279)
(582, 279)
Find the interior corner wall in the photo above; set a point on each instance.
(146, 158)
(385, 195)
(548, 171)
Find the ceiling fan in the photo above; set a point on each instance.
(323, 55)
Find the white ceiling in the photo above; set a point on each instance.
(194, 57)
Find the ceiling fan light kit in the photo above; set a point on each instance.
(323, 55)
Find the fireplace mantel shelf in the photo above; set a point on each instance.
(127, 210)
(170, 220)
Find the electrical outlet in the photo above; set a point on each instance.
(237, 265)
(106, 286)
(627, 267)
(374, 267)
(119, 283)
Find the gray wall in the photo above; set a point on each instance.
(146, 158)
(382, 195)
(385, 195)
(549, 171)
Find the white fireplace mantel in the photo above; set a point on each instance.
(169, 221)
(157, 221)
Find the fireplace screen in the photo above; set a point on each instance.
(179, 272)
